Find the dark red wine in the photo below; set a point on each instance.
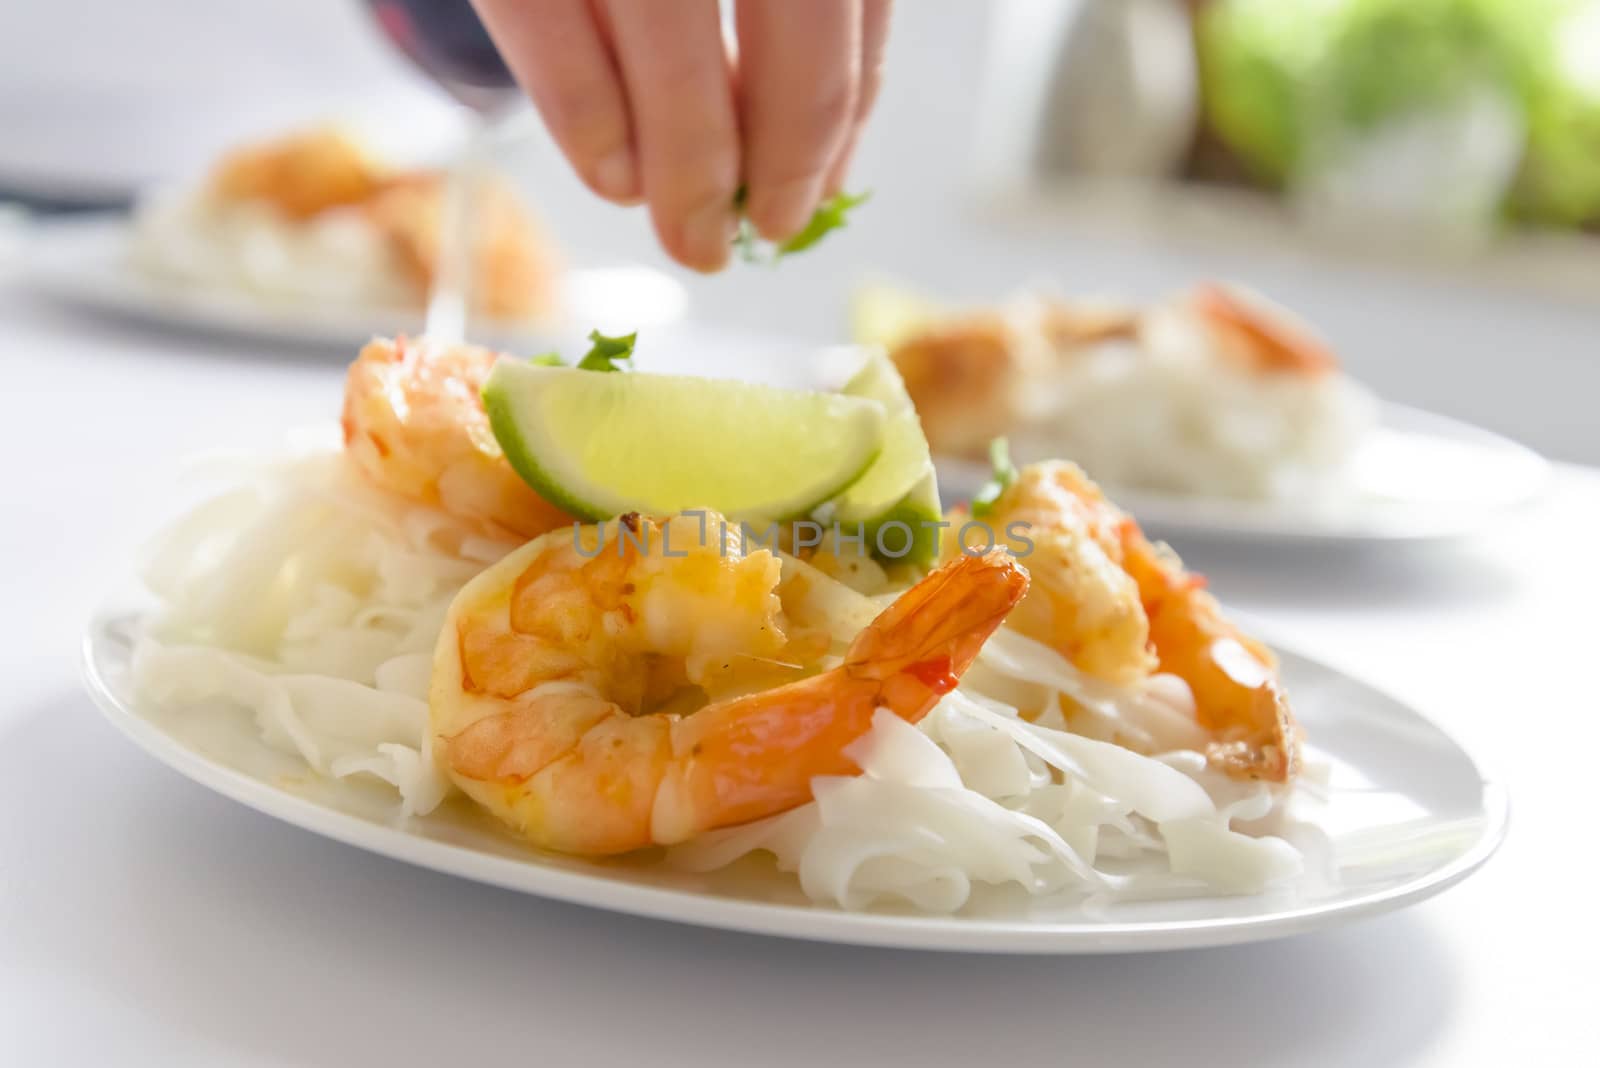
(445, 39)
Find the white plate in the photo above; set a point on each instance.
(1418, 477)
(84, 263)
(1405, 814)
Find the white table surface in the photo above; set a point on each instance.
(144, 920)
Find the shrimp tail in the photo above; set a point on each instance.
(1233, 677)
(934, 631)
(757, 755)
(1270, 748)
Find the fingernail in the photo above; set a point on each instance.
(780, 211)
(616, 175)
(708, 235)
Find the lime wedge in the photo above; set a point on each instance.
(900, 485)
(600, 445)
(918, 511)
(904, 459)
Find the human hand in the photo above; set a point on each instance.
(650, 103)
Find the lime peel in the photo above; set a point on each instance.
(599, 445)
(900, 486)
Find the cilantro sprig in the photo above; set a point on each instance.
(832, 214)
(606, 351)
(1003, 475)
(605, 354)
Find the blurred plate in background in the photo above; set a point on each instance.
(1418, 477)
(84, 263)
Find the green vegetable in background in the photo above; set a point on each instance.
(1276, 72)
(1391, 57)
(1256, 60)
(1560, 178)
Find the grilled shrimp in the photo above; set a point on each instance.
(414, 424)
(965, 377)
(300, 175)
(979, 375)
(594, 688)
(976, 376)
(514, 267)
(1254, 334)
(1234, 678)
(1119, 607)
(1083, 603)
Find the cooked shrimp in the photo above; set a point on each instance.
(959, 376)
(513, 267)
(1258, 335)
(1082, 604)
(1105, 597)
(414, 423)
(1234, 678)
(1072, 324)
(977, 376)
(966, 378)
(300, 175)
(566, 679)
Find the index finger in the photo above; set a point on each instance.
(798, 75)
(562, 60)
(681, 94)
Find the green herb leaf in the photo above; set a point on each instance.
(745, 241)
(831, 216)
(547, 359)
(1005, 473)
(607, 351)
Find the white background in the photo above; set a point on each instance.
(103, 89)
(143, 920)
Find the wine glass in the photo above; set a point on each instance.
(446, 40)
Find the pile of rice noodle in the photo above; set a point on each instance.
(313, 601)
(1168, 413)
(337, 257)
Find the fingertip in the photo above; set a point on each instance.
(780, 211)
(615, 176)
(703, 240)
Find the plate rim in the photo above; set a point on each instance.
(1155, 508)
(58, 255)
(814, 923)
